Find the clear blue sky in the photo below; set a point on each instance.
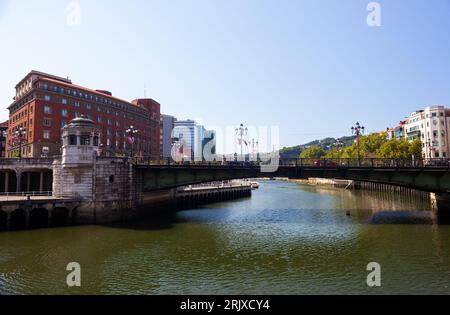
(312, 67)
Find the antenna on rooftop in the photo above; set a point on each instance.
(145, 90)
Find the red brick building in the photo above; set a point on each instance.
(44, 103)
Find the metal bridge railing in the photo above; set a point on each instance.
(309, 163)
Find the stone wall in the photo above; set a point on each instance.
(107, 189)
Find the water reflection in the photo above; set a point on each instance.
(286, 239)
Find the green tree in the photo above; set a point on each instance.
(415, 149)
(313, 153)
(400, 149)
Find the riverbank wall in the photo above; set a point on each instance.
(366, 186)
(29, 212)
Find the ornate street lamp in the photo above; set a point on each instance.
(255, 148)
(131, 137)
(338, 144)
(20, 133)
(358, 130)
(242, 132)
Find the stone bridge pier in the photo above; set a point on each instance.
(440, 204)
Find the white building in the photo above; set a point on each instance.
(166, 140)
(431, 127)
(191, 139)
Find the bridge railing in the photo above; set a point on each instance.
(367, 163)
(26, 161)
(314, 163)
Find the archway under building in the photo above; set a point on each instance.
(39, 218)
(8, 182)
(36, 181)
(3, 220)
(18, 220)
(61, 217)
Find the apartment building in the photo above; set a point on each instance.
(45, 103)
(431, 127)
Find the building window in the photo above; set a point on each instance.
(47, 110)
(65, 113)
(77, 104)
(47, 98)
(64, 101)
(109, 122)
(72, 140)
(77, 114)
(88, 106)
(47, 122)
(46, 134)
(99, 119)
(63, 123)
(85, 140)
(95, 141)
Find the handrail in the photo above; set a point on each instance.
(27, 193)
(372, 163)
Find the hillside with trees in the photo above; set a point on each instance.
(376, 145)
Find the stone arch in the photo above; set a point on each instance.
(75, 216)
(39, 218)
(8, 181)
(61, 217)
(3, 220)
(18, 220)
(36, 180)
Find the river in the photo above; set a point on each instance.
(286, 239)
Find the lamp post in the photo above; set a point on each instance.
(338, 144)
(255, 149)
(358, 130)
(241, 132)
(132, 131)
(20, 133)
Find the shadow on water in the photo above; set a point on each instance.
(402, 217)
(161, 221)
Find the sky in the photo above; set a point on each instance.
(313, 68)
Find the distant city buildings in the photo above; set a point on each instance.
(431, 126)
(45, 103)
(190, 140)
(166, 140)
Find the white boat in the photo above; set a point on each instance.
(254, 185)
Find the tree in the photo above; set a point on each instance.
(415, 149)
(313, 153)
(400, 149)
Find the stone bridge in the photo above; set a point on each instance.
(433, 179)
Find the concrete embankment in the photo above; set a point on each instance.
(25, 212)
(366, 186)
